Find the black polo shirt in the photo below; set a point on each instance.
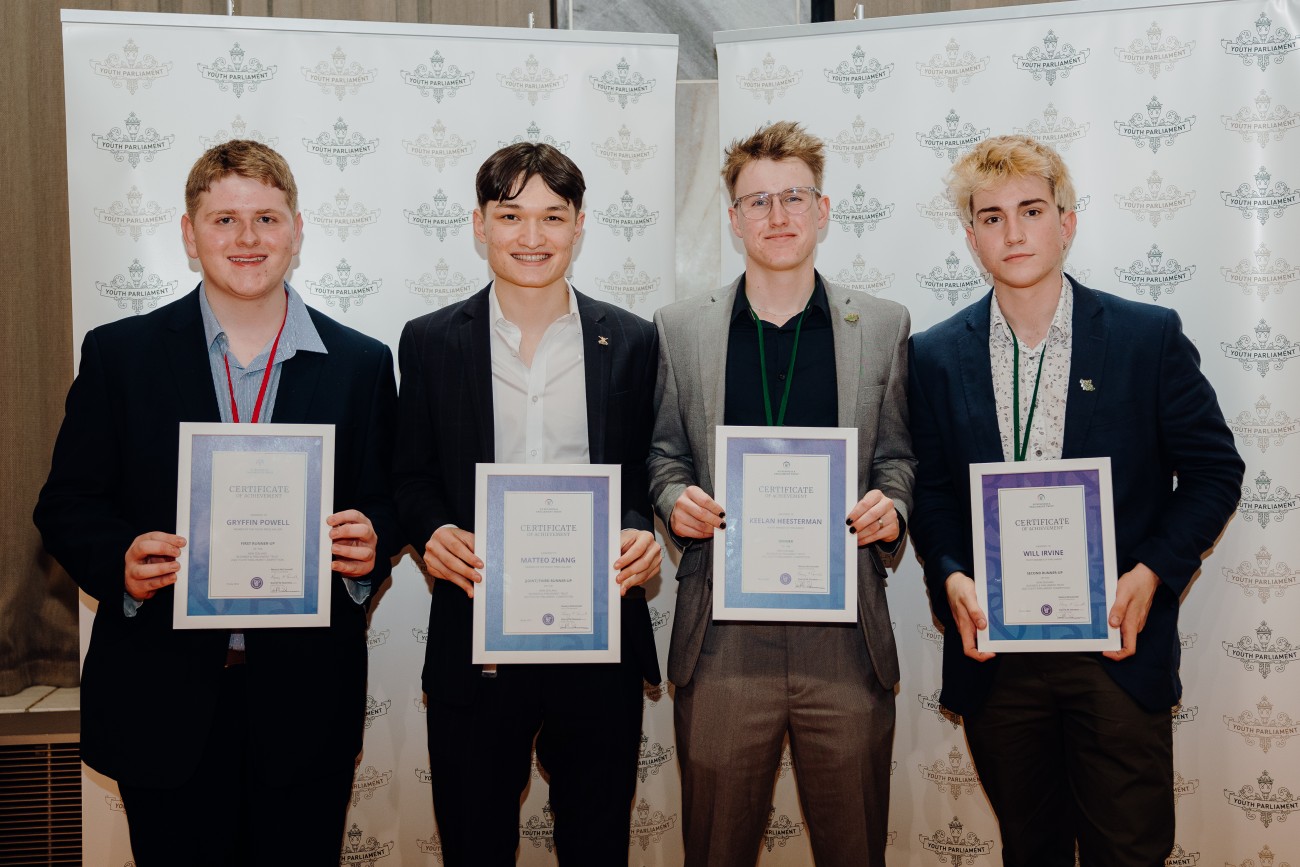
(813, 399)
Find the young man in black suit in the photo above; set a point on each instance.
(528, 370)
(227, 748)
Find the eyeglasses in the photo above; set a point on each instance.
(795, 201)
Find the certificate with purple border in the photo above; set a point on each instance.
(1044, 542)
(251, 502)
(548, 536)
(786, 554)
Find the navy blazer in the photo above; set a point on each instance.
(1150, 410)
(445, 428)
(148, 692)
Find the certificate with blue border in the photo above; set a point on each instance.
(548, 536)
(1044, 542)
(252, 501)
(786, 554)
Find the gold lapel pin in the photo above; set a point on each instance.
(1086, 385)
(850, 318)
(603, 341)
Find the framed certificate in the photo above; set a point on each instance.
(786, 553)
(252, 501)
(548, 536)
(1044, 534)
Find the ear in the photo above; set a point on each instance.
(297, 233)
(578, 224)
(479, 234)
(823, 211)
(735, 222)
(1069, 223)
(187, 236)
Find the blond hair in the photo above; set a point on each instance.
(243, 157)
(783, 140)
(1001, 158)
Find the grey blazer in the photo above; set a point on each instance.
(870, 336)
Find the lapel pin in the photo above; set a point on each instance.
(603, 341)
(1086, 385)
(850, 318)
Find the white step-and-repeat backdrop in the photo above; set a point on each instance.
(1179, 122)
(385, 126)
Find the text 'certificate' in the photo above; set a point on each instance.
(252, 502)
(786, 554)
(548, 536)
(1045, 569)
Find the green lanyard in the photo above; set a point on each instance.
(762, 366)
(1019, 449)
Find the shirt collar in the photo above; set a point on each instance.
(497, 317)
(1061, 319)
(299, 335)
(818, 301)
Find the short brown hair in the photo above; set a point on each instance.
(243, 157)
(1001, 158)
(783, 140)
(504, 175)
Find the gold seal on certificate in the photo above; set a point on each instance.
(1044, 539)
(785, 554)
(252, 501)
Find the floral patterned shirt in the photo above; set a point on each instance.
(1047, 432)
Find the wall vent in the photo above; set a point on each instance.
(40, 803)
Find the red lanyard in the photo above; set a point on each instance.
(266, 376)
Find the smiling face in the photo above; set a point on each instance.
(529, 238)
(779, 241)
(1020, 235)
(245, 237)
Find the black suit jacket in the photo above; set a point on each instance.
(445, 428)
(148, 692)
(1149, 409)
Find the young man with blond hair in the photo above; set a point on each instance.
(1070, 747)
(227, 748)
(781, 336)
(527, 370)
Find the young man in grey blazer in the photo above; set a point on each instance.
(826, 357)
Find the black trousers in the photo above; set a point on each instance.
(1065, 755)
(227, 814)
(587, 723)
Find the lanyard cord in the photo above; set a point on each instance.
(762, 367)
(266, 376)
(1019, 450)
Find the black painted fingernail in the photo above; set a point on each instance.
(853, 530)
(848, 522)
(722, 526)
(722, 514)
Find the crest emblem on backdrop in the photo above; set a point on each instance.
(344, 217)
(952, 281)
(626, 217)
(623, 151)
(438, 147)
(857, 75)
(237, 74)
(1153, 129)
(1263, 800)
(339, 76)
(532, 81)
(1054, 60)
(1261, 200)
(339, 148)
(622, 85)
(1264, 578)
(132, 142)
(1156, 276)
(442, 287)
(136, 289)
(1263, 653)
(135, 217)
(631, 286)
(952, 68)
(769, 80)
(439, 218)
(130, 70)
(1268, 351)
(1156, 202)
(344, 287)
(1267, 121)
(437, 78)
(1153, 54)
(1263, 427)
(1262, 729)
(1262, 46)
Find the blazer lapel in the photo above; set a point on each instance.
(1087, 361)
(977, 385)
(848, 353)
(714, 330)
(299, 379)
(187, 357)
(598, 359)
(474, 337)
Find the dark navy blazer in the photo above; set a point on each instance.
(1149, 409)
